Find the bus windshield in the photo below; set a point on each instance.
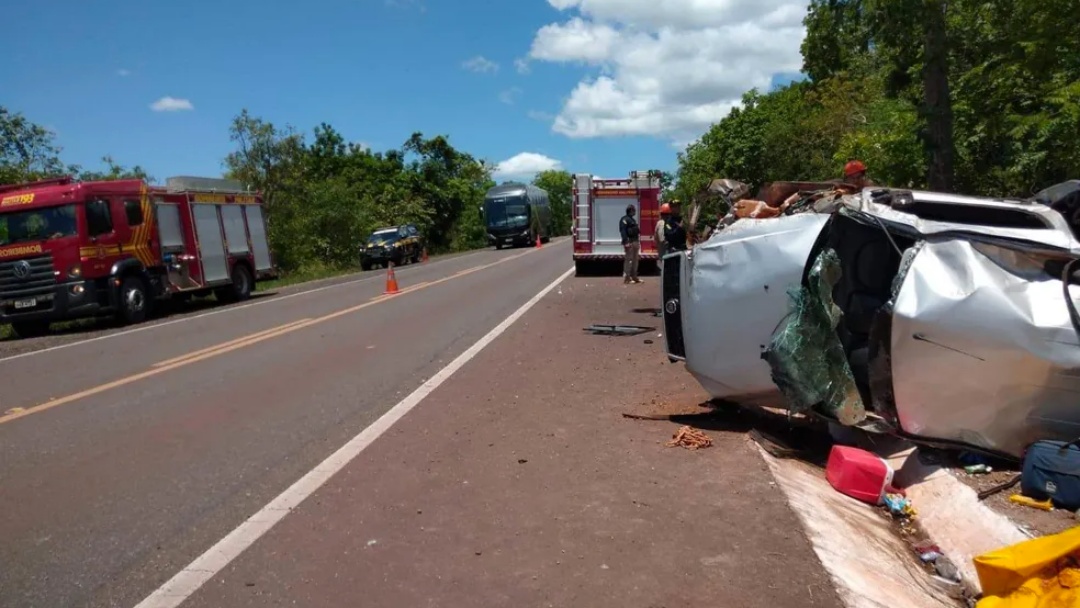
(506, 212)
(38, 224)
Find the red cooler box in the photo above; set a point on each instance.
(859, 474)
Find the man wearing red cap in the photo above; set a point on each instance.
(855, 175)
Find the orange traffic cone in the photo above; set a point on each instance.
(425, 258)
(391, 281)
(538, 243)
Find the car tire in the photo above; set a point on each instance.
(31, 329)
(134, 301)
(365, 266)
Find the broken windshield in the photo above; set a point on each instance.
(38, 224)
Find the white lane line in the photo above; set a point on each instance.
(267, 300)
(209, 564)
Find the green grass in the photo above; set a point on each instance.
(305, 275)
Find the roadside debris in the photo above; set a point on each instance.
(1039, 572)
(978, 469)
(860, 474)
(618, 330)
(1001, 487)
(1027, 501)
(690, 438)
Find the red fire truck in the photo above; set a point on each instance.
(598, 206)
(72, 249)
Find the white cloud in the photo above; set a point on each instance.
(123, 72)
(525, 165)
(171, 104)
(667, 69)
(509, 96)
(480, 65)
(522, 66)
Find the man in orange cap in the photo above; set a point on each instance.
(855, 175)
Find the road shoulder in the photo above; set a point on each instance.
(519, 482)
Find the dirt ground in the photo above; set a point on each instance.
(1034, 521)
(524, 484)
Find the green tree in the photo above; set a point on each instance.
(112, 171)
(559, 185)
(27, 150)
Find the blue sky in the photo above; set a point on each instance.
(584, 87)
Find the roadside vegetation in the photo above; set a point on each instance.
(967, 96)
(323, 195)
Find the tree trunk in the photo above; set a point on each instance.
(936, 99)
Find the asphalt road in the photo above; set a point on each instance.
(486, 460)
(124, 457)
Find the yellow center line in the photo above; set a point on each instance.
(238, 343)
(229, 343)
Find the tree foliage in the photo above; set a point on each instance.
(325, 196)
(965, 95)
(559, 185)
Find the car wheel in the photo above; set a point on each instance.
(134, 301)
(365, 266)
(499, 245)
(30, 329)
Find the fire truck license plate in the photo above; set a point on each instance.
(27, 303)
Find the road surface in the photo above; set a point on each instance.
(458, 444)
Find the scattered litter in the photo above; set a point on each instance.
(522, 461)
(929, 557)
(946, 569)
(1020, 499)
(899, 506)
(618, 330)
(978, 469)
(648, 341)
(690, 438)
(372, 542)
(1001, 487)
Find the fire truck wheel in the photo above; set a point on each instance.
(134, 301)
(241, 286)
(30, 329)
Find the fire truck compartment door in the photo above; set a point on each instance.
(607, 211)
(211, 243)
(257, 232)
(232, 217)
(168, 219)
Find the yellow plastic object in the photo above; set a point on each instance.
(1020, 499)
(1039, 573)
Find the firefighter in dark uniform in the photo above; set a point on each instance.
(675, 233)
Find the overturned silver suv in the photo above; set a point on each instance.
(950, 320)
